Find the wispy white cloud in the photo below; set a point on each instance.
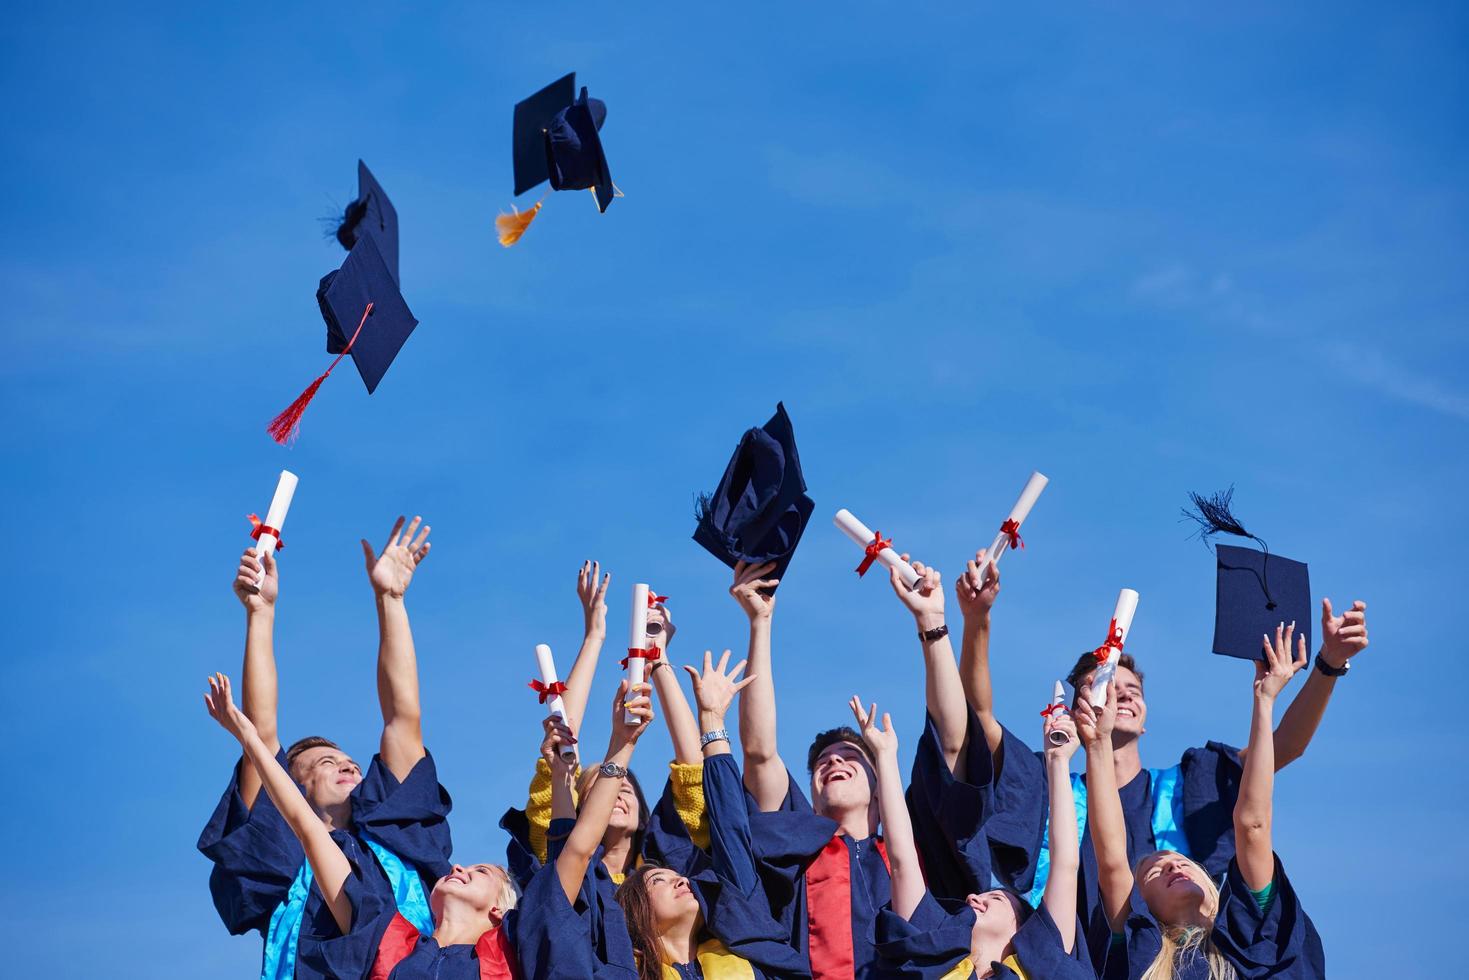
(1372, 368)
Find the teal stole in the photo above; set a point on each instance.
(285, 921)
(1167, 822)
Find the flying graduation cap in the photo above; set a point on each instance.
(366, 317)
(1255, 591)
(556, 137)
(759, 510)
(371, 213)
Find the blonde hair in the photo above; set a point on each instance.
(1183, 943)
(509, 890)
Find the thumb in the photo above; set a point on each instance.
(268, 562)
(1326, 612)
(368, 553)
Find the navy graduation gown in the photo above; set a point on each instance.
(936, 940)
(252, 856)
(1208, 787)
(1280, 943)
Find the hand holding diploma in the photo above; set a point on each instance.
(876, 547)
(1111, 649)
(1009, 535)
(257, 581)
(549, 688)
(267, 533)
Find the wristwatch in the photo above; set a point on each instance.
(718, 735)
(937, 633)
(612, 770)
(1331, 671)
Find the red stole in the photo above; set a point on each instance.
(496, 958)
(829, 911)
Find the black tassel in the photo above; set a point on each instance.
(1213, 516)
(343, 227)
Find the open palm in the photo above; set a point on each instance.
(392, 570)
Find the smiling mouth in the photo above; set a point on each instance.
(1176, 877)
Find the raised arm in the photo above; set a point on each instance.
(977, 596)
(683, 730)
(1342, 638)
(1252, 810)
(591, 589)
(329, 865)
(908, 883)
(397, 665)
(1060, 894)
(1104, 807)
(765, 772)
(258, 690)
(729, 838)
(596, 807)
(943, 691)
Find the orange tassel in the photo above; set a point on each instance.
(512, 226)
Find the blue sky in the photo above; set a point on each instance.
(1142, 249)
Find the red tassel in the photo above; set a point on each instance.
(286, 426)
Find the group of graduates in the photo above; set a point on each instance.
(993, 861)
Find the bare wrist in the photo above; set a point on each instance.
(929, 620)
(710, 720)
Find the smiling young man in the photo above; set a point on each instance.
(1185, 807)
(392, 824)
(823, 864)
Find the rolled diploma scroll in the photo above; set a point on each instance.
(1058, 700)
(557, 706)
(285, 489)
(637, 640)
(1018, 514)
(859, 532)
(1122, 616)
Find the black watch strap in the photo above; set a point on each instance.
(937, 633)
(1331, 671)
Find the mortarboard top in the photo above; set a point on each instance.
(532, 119)
(759, 510)
(1255, 590)
(373, 213)
(343, 296)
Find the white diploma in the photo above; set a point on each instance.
(859, 532)
(556, 707)
(637, 641)
(1018, 514)
(275, 518)
(1120, 626)
(1058, 705)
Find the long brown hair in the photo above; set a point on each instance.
(642, 928)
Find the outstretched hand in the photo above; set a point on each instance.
(256, 598)
(220, 704)
(1276, 670)
(976, 590)
(1094, 725)
(392, 570)
(882, 741)
(1344, 636)
(748, 581)
(591, 589)
(715, 688)
(926, 599)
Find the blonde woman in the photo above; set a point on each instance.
(1165, 918)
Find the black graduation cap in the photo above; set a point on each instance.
(556, 137)
(1255, 591)
(372, 213)
(365, 316)
(759, 510)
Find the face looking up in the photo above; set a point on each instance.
(996, 917)
(842, 778)
(327, 775)
(1132, 711)
(670, 897)
(482, 888)
(1176, 889)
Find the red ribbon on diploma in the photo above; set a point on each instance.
(1012, 528)
(873, 549)
(547, 691)
(1114, 642)
(650, 654)
(653, 600)
(257, 528)
(1050, 709)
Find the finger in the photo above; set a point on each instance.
(269, 563)
(422, 537)
(1265, 641)
(694, 674)
(606, 581)
(765, 583)
(724, 662)
(738, 668)
(412, 530)
(393, 534)
(745, 683)
(1300, 651)
(422, 553)
(856, 707)
(872, 713)
(1359, 606)
(918, 567)
(368, 554)
(1111, 694)
(596, 572)
(1347, 632)
(708, 661)
(1325, 611)
(887, 723)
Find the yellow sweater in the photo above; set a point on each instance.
(688, 798)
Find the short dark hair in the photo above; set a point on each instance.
(1087, 663)
(833, 736)
(309, 742)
